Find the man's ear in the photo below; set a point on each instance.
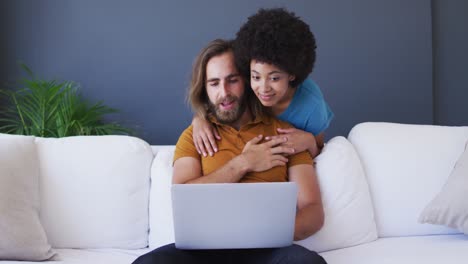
(292, 78)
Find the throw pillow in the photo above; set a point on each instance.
(450, 206)
(22, 236)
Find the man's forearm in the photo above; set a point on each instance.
(309, 220)
(318, 143)
(233, 171)
(314, 150)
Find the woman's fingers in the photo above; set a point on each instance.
(199, 145)
(216, 134)
(286, 130)
(207, 150)
(212, 138)
(282, 150)
(276, 141)
(255, 140)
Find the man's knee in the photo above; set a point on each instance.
(296, 254)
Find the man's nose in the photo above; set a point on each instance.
(224, 89)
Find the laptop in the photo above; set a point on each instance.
(234, 215)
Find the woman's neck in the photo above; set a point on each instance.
(283, 104)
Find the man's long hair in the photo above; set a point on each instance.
(197, 96)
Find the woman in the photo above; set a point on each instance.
(277, 49)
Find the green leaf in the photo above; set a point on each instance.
(52, 108)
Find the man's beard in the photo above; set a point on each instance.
(229, 116)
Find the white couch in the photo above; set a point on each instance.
(107, 199)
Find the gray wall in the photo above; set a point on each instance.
(3, 44)
(450, 30)
(374, 56)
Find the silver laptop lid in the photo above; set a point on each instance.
(235, 215)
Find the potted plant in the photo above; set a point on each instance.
(50, 108)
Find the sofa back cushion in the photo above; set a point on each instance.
(94, 191)
(347, 204)
(349, 217)
(406, 166)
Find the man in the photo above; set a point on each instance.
(218, 93)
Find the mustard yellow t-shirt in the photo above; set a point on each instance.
(231, 145)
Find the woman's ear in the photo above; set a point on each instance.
(292, 78)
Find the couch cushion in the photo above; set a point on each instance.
(450, 206)
(405, 250)
(22, 236)
(91, 256)
(349, 217)
(406, 166)
(161, 222)
(95, 191)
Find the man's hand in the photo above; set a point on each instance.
(264, 156)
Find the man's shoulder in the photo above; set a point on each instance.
(185, 146)
(186, 134)
(187, 130)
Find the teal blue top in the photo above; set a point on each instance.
(308, 110)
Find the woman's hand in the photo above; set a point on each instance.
(204, 134)
(299, 140)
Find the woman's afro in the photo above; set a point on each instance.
(277, 37)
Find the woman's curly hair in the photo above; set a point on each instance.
(277, 37)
